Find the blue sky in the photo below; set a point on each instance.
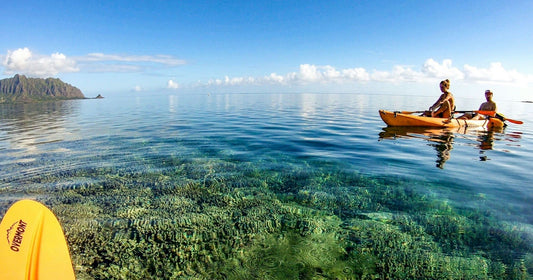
(398, 47)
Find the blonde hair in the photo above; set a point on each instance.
(446, 84)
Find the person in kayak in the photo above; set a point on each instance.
(485, 106)
(444, 106)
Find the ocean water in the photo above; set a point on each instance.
(210, 186)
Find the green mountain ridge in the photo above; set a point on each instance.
(23, 89)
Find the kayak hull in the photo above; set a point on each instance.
(399, 119)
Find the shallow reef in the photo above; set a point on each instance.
(219, 217)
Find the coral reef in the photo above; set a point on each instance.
(207, 216)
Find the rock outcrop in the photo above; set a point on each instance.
(23, 89)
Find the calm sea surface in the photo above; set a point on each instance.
(50, 148)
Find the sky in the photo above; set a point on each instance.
(375, 47)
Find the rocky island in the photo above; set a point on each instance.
(23, 89)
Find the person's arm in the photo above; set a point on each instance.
(437, 103)
(442, 109)
(481, 108)
(443, 98)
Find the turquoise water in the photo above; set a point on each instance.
(273, 186)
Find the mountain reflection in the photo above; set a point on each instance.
(26, 125)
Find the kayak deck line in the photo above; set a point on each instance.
(466, 124)
(401, 119)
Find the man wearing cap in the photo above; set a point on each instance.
(485, 106)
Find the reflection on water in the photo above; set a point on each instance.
(443, 139)
(24, 126)
(33, 137)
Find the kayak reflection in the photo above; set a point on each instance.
(442, 139)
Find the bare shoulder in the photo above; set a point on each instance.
(488, 106)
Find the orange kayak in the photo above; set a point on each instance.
(399, 119)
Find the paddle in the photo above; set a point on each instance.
(490, 113)
(32, 244)
(409, 112)
(493, 114)
(501, 117)
(417, 112)
(513, 121)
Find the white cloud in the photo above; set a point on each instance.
(310, 73)
(172, 85)
(111, 63)
(239, 80)
(430, 71)
(137, 88)
(159, 59)
(356, 74)
(23, 61)
(307, 74)
(236, 81)
(495, 74)
(320, 74)
(399, 73)
(111, 68)
(275, 78)
(433, 69)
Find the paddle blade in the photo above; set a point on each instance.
(514, 121)
(487, 113)
(32, 244)
(500, 116)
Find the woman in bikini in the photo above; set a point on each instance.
(444, 106)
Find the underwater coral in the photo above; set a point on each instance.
(220, 217)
